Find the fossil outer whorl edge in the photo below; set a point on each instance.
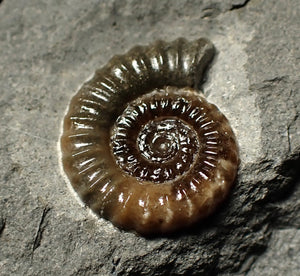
(142, 148)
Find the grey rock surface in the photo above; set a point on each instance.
(49, 48)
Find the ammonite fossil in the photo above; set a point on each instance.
(142, 147)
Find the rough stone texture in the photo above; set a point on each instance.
(48, 48)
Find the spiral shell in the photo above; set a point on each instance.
(144, 149)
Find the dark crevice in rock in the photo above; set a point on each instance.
(115, 263)
(239, 5)
(2, 225)
(276, 80)
(290, 167)
(40, 230)
(282, 184)
(282, 202)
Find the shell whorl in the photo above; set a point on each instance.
(144, 149)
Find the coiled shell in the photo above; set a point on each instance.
(142, 148)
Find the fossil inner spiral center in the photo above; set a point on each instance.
(152, 141)
(160, 140)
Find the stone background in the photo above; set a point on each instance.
(49, 48)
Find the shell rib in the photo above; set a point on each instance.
(142, 148)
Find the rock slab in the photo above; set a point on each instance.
(49, 48)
